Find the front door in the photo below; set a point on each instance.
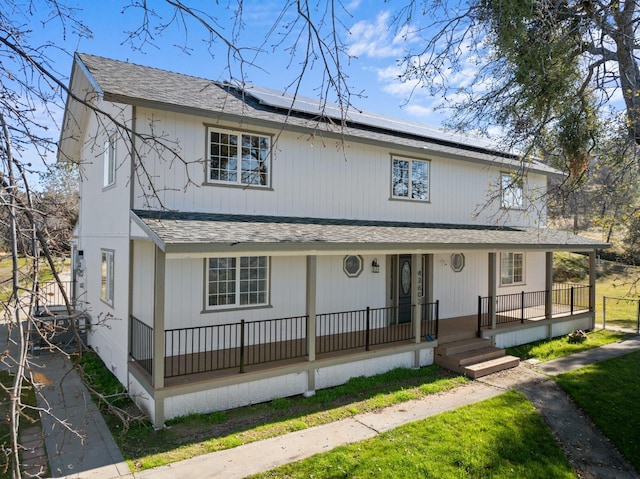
(404, 289)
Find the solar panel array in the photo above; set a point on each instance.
(287, 101)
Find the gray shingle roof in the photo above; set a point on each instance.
(140, 85)
(214, 233)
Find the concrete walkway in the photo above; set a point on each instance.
(96, 455)
(77, 439)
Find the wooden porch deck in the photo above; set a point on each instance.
(464, 327)
(450, 330)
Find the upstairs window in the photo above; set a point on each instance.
(410, 179)
(237, 281)
(511, 191)
(239, 158)
(511, 268)
(109, 162)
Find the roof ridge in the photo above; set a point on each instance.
(147, 67)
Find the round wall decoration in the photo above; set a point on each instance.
(352, 265)
(457, 262)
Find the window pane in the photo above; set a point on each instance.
(222, 281)
(419, 180)
(106, 276)
(255, 159)
(103, 292)
(223, 162)
(241, 281)
(511, 191)
(109, 162)
(506, 268)
(517, 268)
(253, 280)
(400, 178)
(511, 268)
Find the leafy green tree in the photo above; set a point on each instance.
(540, 67)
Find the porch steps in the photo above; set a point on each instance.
(474, 357)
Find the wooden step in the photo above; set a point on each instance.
(477, 355)
(462, 346)
(484, 368)
(457, 336)
(458, 362)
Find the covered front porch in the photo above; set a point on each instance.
(214, 352)
(339, 299)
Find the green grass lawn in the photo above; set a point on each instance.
(503, 437)
(609, 392)
(144, 447)
(546, 349)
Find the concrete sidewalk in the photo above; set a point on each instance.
(78, 441)
(96, 455)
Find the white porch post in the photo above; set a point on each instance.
(592, 287)
(416, 293)
(548, 302)
(492, 290)
(157, 376)
(312, 275)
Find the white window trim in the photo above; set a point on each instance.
(109, 158)
(236, 305)
(514, 180)
(238, 133)
(514, 283)
(408, 197)
(107, 294)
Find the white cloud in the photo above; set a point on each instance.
(377, 39)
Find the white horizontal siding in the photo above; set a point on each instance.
(458, 292)
(143, 281)
(184, 298)
(184, 293)
(313, 176)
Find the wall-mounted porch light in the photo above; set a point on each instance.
(375, 267)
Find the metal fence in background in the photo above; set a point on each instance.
(621, 312)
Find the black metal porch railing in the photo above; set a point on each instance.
(430, 320)
(237, 345)
(362, 328)
(572, 296)
(566, 299)
(141, 344)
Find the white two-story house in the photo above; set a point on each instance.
(235, 246)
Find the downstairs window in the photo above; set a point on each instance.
(237, 281)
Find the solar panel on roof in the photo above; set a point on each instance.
(311, 106)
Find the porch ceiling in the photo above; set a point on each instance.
(180, 232)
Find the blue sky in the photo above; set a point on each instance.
(373, 71)
(374, 44)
